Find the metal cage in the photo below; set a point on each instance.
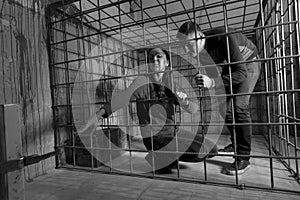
(98, 47)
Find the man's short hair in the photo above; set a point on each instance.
(188, 28)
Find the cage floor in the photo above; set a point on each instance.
(259, 175)
(63, 184)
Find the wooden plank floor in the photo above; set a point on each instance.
(64, 184)
(259, 175)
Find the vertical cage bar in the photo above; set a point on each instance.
(261, 3)
(52, 77)
(66, 60)
(292, 64)
(67, 80)
(147, 71)
(81, 98)
(279, 72)
(296, 17)
(91, 70)
(105, 74)
(86, 72)
(201, 90)
(123, 71)
(172, 83)
(285, 87)
(233, 128)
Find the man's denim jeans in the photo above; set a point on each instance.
(241, 110)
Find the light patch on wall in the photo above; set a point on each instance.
(5, 23)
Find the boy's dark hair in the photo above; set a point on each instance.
(187, 28)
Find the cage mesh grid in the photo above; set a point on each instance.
(77, 27)
(281, 74)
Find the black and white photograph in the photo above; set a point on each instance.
(149, 99)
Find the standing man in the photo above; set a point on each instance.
(228, 48)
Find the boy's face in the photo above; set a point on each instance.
(158, 62)
(190, 44)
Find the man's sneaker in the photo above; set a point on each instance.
(227, 150)
(242, 167)
(165, 170)
(174, 164)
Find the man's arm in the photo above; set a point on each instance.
(238, 71)
(212, 77)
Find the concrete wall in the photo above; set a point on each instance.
(24, 76)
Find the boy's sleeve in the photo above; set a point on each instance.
(192, 106)
(122, 99)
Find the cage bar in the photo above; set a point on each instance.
(98, 47)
